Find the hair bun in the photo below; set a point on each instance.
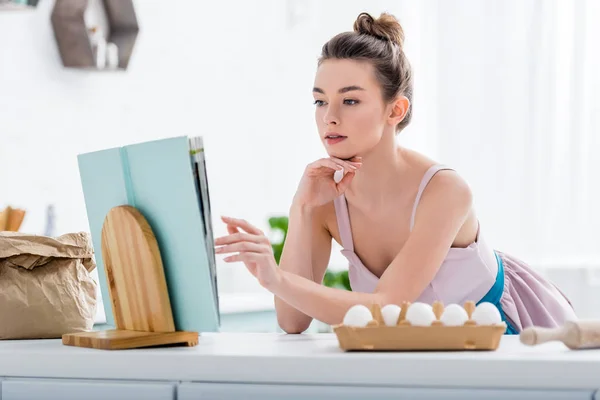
(386, 27)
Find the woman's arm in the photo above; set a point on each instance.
(306, 253)
(442, 211)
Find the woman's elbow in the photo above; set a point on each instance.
(292, 326)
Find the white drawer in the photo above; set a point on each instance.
(77, 389)
(218, 391)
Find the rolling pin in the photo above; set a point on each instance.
(582, 334)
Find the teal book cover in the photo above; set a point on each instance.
(158, 178)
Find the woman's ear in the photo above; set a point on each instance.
(399, 110)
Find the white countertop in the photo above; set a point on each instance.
(308, 359)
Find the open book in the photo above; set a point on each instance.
(166, 181)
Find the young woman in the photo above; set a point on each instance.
(406, 224)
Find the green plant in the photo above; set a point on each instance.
(279, 224)
(336, 279)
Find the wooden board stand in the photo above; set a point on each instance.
(137, 287)
(376, 336)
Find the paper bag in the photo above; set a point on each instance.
(46, 288)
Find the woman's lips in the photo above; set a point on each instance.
(334, 138)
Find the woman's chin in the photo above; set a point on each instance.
(342, 155)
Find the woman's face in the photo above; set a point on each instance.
(350, 113)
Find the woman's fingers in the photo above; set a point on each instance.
(240, 237)
(332, 164)
(245, 257)
(241, 223)
(325, 163)
(345, 182)
(356, 161)
(232, 229)
(347, 165)
(241, 247)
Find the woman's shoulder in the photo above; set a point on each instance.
(445, 185)
(439, 183)
(446, 195)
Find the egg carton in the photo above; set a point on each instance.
(377, 336)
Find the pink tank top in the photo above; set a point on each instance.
(465, 274)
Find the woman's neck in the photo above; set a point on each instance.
(381, 167)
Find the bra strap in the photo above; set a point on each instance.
(343, 220)
(424, 181)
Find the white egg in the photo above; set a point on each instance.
(390, 314)
(420, 314)
(486, 314)
(358, 315)
(454, 315)
(338, 175)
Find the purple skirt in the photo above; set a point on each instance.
(529, 299)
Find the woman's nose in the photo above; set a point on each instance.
(331, 117)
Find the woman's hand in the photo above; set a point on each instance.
(317, 185)
(253, 248)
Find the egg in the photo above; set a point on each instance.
(390, 314)
(338, 175)
(486, 314)
(358, 315)
(420, 314)
(454, 315)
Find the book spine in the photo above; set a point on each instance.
(127, 176)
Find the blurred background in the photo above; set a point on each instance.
(506, 92)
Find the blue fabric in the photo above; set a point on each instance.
(495, 294)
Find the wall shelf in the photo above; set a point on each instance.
(74, 35)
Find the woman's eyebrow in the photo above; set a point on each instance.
(350, 89)
(342, 90)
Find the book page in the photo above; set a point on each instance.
(199, 163)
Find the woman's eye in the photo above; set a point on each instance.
(319, 103)
(350, 102)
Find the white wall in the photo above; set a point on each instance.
(238, 73)
(192, 73)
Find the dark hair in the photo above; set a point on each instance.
(378, 41)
